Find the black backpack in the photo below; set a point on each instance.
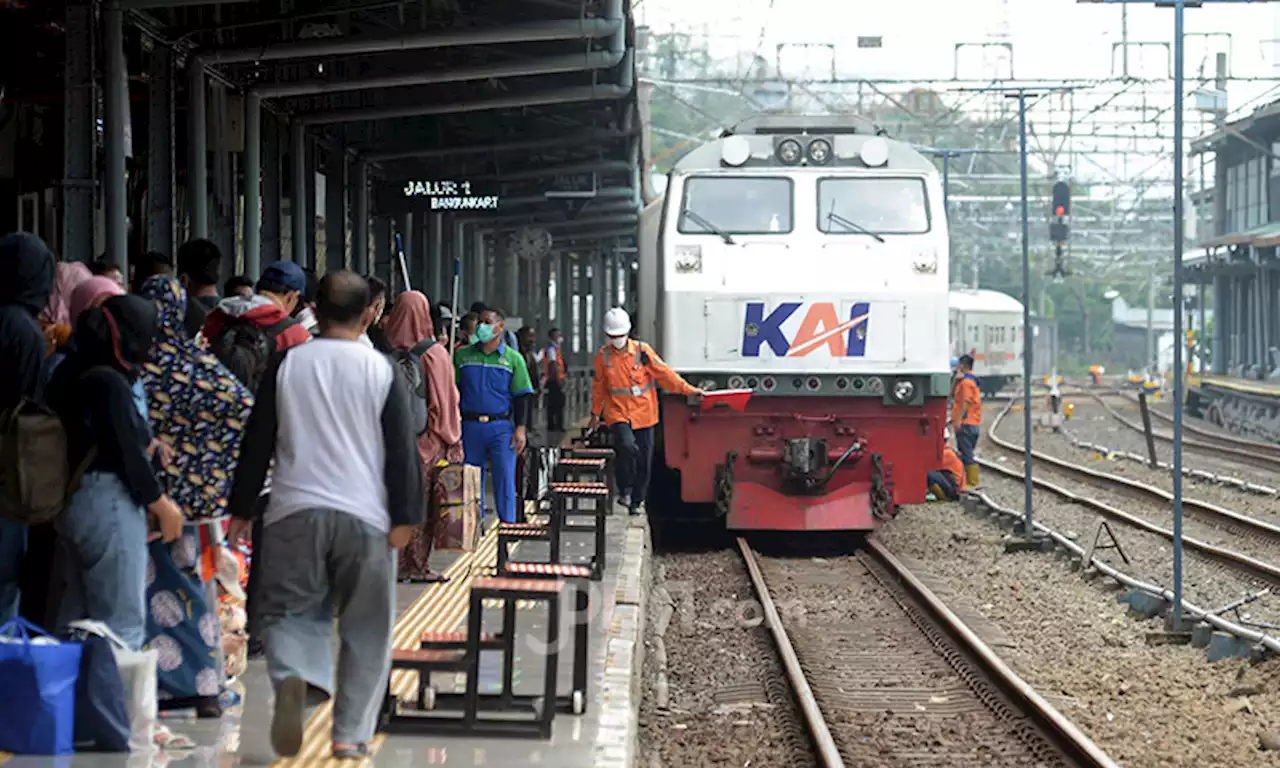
(410, 365)
(245, 349)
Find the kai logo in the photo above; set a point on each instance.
(821, 327)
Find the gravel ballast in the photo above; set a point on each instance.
(720, 698)
(1145, 705)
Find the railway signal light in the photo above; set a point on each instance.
(1061, 199)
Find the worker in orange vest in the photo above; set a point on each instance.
(966, 416)
(948, 483)
(1095, 373)
(624, 397)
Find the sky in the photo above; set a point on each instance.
(1052, 38)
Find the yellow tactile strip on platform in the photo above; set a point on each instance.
(441, 607)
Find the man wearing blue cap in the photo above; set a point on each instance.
(244, 331)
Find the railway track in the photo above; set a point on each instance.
(1256, 454)
(1266, 535)
(885, 674)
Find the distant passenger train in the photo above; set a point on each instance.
(988, 326)
(805, 259)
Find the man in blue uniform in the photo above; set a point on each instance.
(497, 406)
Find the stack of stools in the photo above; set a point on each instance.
(460, 652)
(567, 502)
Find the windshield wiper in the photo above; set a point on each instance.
(702, 222)
(833, 216)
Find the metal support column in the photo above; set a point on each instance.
(1027, 347)
(312, 202)
(1202, 337)
(1153, 360)
(599, 301)
(197, 152)
(439, 268)
(252, 183)
(405, 226)
(79, 132)
(273, 139)
(586, 331)
(161, 192)
(380, 264)
(1221, 316)
(116, 102)
(298, 193)
(1178, 375)
(564, 295)
(223, 231)
(360, 229)
(478, 266)
(335, 215)
(509, 262)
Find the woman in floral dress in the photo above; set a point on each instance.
(199, 410)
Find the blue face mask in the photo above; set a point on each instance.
(484, 333)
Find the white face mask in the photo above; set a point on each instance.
(619, 342)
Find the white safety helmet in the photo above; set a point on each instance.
(617, 322)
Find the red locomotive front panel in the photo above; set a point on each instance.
(805, 463)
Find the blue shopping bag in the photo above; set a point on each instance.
(38, 677)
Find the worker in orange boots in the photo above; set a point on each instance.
(947, 484)
(966, 417)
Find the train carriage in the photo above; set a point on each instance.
(987, 325)
(805, 259)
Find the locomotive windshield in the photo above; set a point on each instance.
(876, 206)
(736, 205)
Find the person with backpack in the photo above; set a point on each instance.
(103, 532)
(433, 392)
(26, 281)
(243, 333)
(202, 412)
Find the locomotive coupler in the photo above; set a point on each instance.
(804, 462)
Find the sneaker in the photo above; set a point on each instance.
(287, 722)
(638, 509)
(623, 500)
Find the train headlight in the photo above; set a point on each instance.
(735, 150)
(790, 152)
(819, 151)
(688, 259)
(903, 391)
(874, 152)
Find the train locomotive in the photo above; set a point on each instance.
(805, 259)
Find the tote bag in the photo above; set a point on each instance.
(38, 677)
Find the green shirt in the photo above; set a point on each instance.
(489, 382)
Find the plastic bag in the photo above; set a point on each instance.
(38, 677)
(139, 678)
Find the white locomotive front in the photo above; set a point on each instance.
(805, 258)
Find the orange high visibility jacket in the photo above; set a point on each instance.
(967, 405)
(951, 463)
(553, 365)
(626, 382)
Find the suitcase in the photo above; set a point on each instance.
(455, 490)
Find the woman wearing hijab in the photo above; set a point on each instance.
(409, 324)
(103, 533)
(200, 412)
(56, 320)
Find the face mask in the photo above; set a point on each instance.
(485, 333)
(619, 342)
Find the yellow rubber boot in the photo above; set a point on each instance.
(971, 475)
(936, 490)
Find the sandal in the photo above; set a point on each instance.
(164, 738)
(352, 752)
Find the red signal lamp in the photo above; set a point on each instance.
(1061, 210)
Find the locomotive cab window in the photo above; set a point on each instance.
(872, 205)
(736, 205)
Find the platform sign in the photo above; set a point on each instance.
(435, 196)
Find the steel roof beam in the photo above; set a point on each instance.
(573, 140)
(572, 95)
(548, 65)
(542, 31)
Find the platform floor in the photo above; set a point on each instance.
(603, 736)
(1242, 386)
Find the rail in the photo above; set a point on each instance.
(1064, 735)
(823, 742)
(1245, 563)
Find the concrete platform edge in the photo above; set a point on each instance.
(620, 692)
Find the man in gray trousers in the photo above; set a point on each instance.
(346, 493)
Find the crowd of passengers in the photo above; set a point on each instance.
(210, 417)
